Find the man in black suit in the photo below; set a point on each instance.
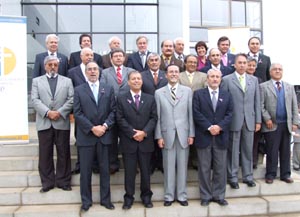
(78, 77)
(263, 62)
(212, 111)
(153, 79)
(52, 47)
(94, 112)
(138, 60)
(136, 118)
(215, 63)
(226, 57)
(168, 57)
(85, 40)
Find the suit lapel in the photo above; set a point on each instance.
(236, 82)
(160, 77)
(206, 95)
(138, 59)
(130, 101)
(272, 88)
(167, 94)
(45, 83)
(58, 86)
(89, 92)
(179, 94)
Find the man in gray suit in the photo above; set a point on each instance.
(117, 77)
(244, 89)
(52, 98)
(280, 119)
(195, 80)
(175, 132)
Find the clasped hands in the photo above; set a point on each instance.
(99, 130)
(53, 115)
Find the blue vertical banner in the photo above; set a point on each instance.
(13, 80)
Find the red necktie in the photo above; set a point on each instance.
(119, 75)
(155, 77)
(278, 85)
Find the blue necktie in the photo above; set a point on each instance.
(95, 92)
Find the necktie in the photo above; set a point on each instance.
(173, 95)
(190, 76)
(242, 83)
(137, 101)
(155, 78)
(166, 61)
(52, 54)
(180, 57)
(95, 92)
(214, 99)
(278, 85)
(224, 60)
(119, 76)
(255, 57)
(143, 55)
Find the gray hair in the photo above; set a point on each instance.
(132, 72)
(83, 50)
(152, 55)
(50, 58)
(113, 38)
(177, 39)
(51, 36)
(274, 64)
(140, 37)
(213, 70)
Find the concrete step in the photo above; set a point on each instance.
(30, 178)
(253, 206)
(32, 196)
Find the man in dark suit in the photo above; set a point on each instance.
(94, 112)
(153, 79)
(280, 119)
(52, 47)
(136, 118)
(116, 76)
(113, 43)
(263, 62)
(226, 57)
(85, 40)
(215, 63)
(179, 48)
(138, 60)
(212, 112)
(78, 77)
(52, 99)
(168, 57)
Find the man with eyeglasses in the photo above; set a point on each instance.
(94, 112)
(52, 99)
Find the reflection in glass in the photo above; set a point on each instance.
(108, 18)
(141, 18)
(195, 13)
(215, 13)
(73, 18)
(238, 14)
(253, 14)
(68, 43)
(197, 34)
(131, 42)
(40, 18)
(100, 42)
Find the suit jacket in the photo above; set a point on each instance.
(230, 62)
(199, 80)
(43, 101)
(129, 118)
(39, 67)
(173, 61)
(174, 117)
(88, 114)
(224, 69)
(75, 74)
(75, 59)
(135, 62)
(263, 67)
(107, 62)
(148, 81)
(205, 116)
(109, 76)
(269, 104)
(246, 105)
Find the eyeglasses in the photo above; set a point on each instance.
(92, 69)
(52, 64)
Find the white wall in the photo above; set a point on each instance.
(282, 36)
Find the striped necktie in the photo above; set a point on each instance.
(173, 95)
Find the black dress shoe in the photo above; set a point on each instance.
(65, 187)
(85, 208)
(46, 189)
(287, 180)
(148, 204)
(205, 202)
(108, 206)
(168, 203)
(234, 185)
(113, 171)
(255, 167)
(126, 206)
(221, 202)
(269, 181)
(250, 183)
(183, 203)
(75, 171)
(296, 168)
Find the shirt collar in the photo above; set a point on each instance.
(175, 86)
(90, 83)
(133, 94)
(49, 76)
(211, 90)
(49, 53)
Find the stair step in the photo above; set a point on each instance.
(287, 206)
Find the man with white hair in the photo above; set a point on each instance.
(114, 43)
(179, 48)
(52, 50)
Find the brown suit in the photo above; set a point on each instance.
(173, 61)
(199, 80)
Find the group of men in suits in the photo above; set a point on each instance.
(156, 110)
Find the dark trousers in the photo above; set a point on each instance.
(130, 164)
(114, 150)
(156, 158)
(257, 138)
(278, 144)
(61, 139)
(86, 154)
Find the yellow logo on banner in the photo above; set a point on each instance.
(9, 61)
